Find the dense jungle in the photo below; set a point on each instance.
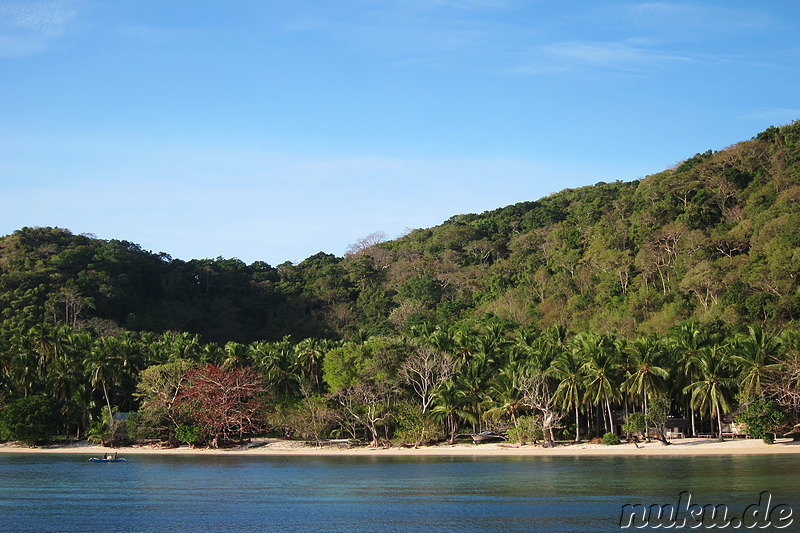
(675, 296)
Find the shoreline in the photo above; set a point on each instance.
(277, 447)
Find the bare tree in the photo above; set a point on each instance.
(784, 386)
(365, 243)
(366, 404)
(537, 395)
(425, 369)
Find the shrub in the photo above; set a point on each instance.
(763, 419)
(29, 419)
(310, 418)
(412, 427)
(635, 423)
(610, 439)
(107, 429)
(188, 434)
(527, 430)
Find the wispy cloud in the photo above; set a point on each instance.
(152, 35)
(609, 55)
(458, 4)
(668, 22)
(622, 57)
(775, 115)
(647, 37)
(412, 32)
(28, 28)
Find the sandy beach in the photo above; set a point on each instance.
(267, 446)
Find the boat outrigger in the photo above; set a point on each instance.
(487, 436)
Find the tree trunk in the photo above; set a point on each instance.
(452, 427)
(108, 403)
(577, 425)
(627, 413)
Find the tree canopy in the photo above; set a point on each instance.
(571, 308)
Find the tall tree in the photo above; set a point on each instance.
(425, 369)
(601, 371)
(363, 380)
(684, 342)
(712, 389)
(103, 369)
(755, 354)
(224, 401)
(568, 369)
(452, 407)
(646, 376)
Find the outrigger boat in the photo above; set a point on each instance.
(107, 460)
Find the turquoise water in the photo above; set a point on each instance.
(64, 493)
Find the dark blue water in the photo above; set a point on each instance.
(64, 493)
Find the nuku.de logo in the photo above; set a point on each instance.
(688, 515)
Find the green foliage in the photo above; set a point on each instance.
(713, 241)
(137, 428)
(657, 415)
(29, 419)
(311, 418)
(635, 423)
(106, 429)
(376, 360)
(763, 418)
(714, 237)
(413, 427)
(190, 434)
(611, 439)
(527, 430)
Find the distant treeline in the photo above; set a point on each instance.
(426, 386)
(713, 242)
(714, 239)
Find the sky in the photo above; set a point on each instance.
(268, 130)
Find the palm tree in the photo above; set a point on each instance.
(505, 395)
(714, 383)
(602, 381)
(102, 368)
(684, 342)
(79, 399)
(48, 342)
(443, 340)
(308, 357)
(131, 356)
(567, 369)
(63, 378)
(234, 355)
(176, 346)
(646, 376)
(472, 377)
(755, 355)
(452, 406)
(276, 362)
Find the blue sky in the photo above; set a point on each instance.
(271, 130)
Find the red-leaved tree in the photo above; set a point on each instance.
(224, 401)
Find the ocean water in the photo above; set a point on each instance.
(65, 493)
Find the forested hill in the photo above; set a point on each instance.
(717, 239)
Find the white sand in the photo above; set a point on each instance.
(688, 447)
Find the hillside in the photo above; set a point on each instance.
(717, 239)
